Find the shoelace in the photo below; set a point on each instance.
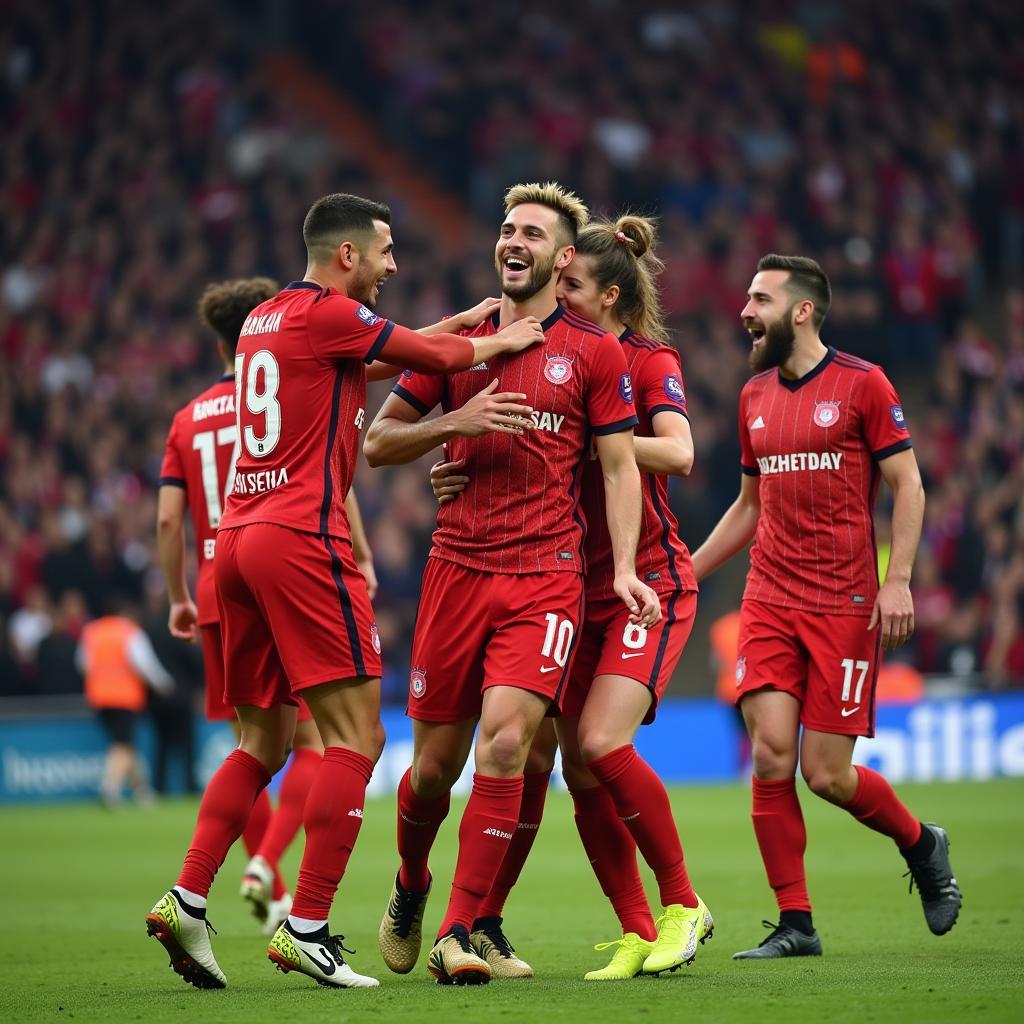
(462, 938)
(625, 945)
(778, 931)
(335, 945)
(928, 885)
(498, 940)
(403, 909)
(671, 926)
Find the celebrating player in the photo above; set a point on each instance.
(509, 552)
(817, 430)
(621, 669)
(294, 610)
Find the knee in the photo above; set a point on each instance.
(576, 773)
(772, 759)
(598, 740)
(504, 752)
(433, 776)
(541, 758)
(826, 782)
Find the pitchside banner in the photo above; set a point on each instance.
(49, 759)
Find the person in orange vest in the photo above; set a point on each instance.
(118, 663)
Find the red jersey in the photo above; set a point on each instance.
(200, 455)
(520, 510)
(816, 443)
(300, 389)
(662, 559)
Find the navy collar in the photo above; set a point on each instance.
(627, 334)
(302, 284)
(226, 377)
(796, 385)
(545, 324)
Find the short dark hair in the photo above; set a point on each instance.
(225, 306)
(806, 281)
(333, 217)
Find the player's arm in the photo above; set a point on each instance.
(399, 434)
(448, 353)
(670, 451)
(360, 544)
(172, 503)
(733, 532)
(623, 505)
(894, 607)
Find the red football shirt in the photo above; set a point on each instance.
(662, 559)
(815, 443)
(200, 457)
(520, 510)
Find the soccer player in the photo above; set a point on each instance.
(818, 429)
(621, 669)
(294, 610)
(502, 596)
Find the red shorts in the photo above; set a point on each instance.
(480, 629)
(610, 645)
(294, 613)
(827, 662)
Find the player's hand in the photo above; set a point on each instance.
(643, 603)
(446, 481)
(183, 620)
(476, 315)
(894, 612)
(491, 410)
(365, 566)
(522, 334)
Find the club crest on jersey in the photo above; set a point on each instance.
(368, 316)
(674, 388)
(626, 388)
(741, 670)
(826, 413)
(417, 682)
(558, 369)
(375, 638)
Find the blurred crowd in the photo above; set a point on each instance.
(145, 158)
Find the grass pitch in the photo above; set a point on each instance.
(78, 882)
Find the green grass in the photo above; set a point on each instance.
(77, 883)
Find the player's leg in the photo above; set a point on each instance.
(839, 707)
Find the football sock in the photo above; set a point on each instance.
(782, 837)
(876, 805)
(798, 919)
(922, 849)
(223, 814)
(287, 819)
(612, 854)
(643, 805)
(333, 814)
(191, 902)
(488, 824)
(535, 791)
(305, 927)
(419, 818)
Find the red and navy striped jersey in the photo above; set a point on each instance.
(815, 444)
(300, 392)
(662, 559)
(200, 457)
(520, 510)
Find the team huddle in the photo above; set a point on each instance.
(557, 599)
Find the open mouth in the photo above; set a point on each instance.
(756, 332)
(515, 264)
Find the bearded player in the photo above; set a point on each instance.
(818, 429)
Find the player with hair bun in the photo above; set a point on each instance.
(621, 669)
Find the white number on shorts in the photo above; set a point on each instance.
(258, 402)
(849, 667)
(206, 444)
(557, 640)
(634, 636)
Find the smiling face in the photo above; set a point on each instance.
(529, 250)
(376, 262)
(768, 318)
(579, 291)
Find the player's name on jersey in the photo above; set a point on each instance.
(798, 462)
(257, 483)
(219, 406)
(265, 324)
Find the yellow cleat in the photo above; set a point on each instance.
(627, 961)
(680, 929)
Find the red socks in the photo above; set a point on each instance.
(876, 805)
(535, 791)
(419, 818)
(642, 803)
(287, 819)
(259, 819)
(782, 837)
(333, 814)
(224, 812)
(487, 827)
(612, 853)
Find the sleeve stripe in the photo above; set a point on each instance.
(668, 408)
(750, 470)
(170, 481)
(421, 407)
(382, 338)
(614, 428)
(899, 446)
